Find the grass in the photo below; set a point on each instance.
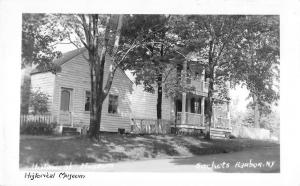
(53, 150)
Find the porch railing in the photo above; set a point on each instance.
(190, 119)
(199, 85)
(197, 120)
(150, 126)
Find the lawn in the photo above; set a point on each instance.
(65, 150)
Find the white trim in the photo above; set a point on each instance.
(71, 104)
(84, 97)
(118, 108)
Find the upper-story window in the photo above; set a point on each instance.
(179, 70)
(195, 105)
(113, 104)
(188, 75)
(197, 76)
(87, 104)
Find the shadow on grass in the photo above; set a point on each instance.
(77, 150)
(42, 150)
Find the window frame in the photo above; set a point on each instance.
(85, 98)
(69, 107)
(117, 105)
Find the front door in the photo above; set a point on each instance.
(65, 106)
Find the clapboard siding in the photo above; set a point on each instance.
(45, 83)
(144, 104)
(75, 75)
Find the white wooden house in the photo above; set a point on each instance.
(69, 92)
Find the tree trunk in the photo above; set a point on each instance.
(97, 64)
(159, 90)
(159, 98)
(209, 109)
(211, 75)
(256, 112)
(97, 73)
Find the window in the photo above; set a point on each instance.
(113, 104)
(179, 105)
(87, 105)
(195, 106)
(197, 76)
(188, 75)
(198, 106)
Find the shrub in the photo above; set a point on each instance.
(39, 102)
(37, 128)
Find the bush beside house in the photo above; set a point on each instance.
(38, 128)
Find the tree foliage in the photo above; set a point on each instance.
(148, 59)
(231, 48)
(39, 102)
(258, 66)
(222, 44)
(155, 60)
(38, 42)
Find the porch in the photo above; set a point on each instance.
(197, 121)
(191, 110)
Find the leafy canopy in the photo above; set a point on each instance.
(38, 42)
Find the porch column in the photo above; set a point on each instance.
(183, 110)
(202, 110)
(228, 114)
(183, 115)
(203, 79)
(213, 117)
(172, 109)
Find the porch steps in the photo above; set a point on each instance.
(70, 131)
(218, 134)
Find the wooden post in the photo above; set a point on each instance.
(203, 79)
(202, 110)
(183, 115)
(213, 117)
(183, 118)
(228, 114)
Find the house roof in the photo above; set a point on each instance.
(63, 59)
(67, 57)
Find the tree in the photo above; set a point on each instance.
(258, 67)
(218, 42)
(39, 102)
(155, 60)
(38, 42)
(211, 38)
(100, 35)
(37, 49)
(151, 57)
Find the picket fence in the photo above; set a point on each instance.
(42, 119)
